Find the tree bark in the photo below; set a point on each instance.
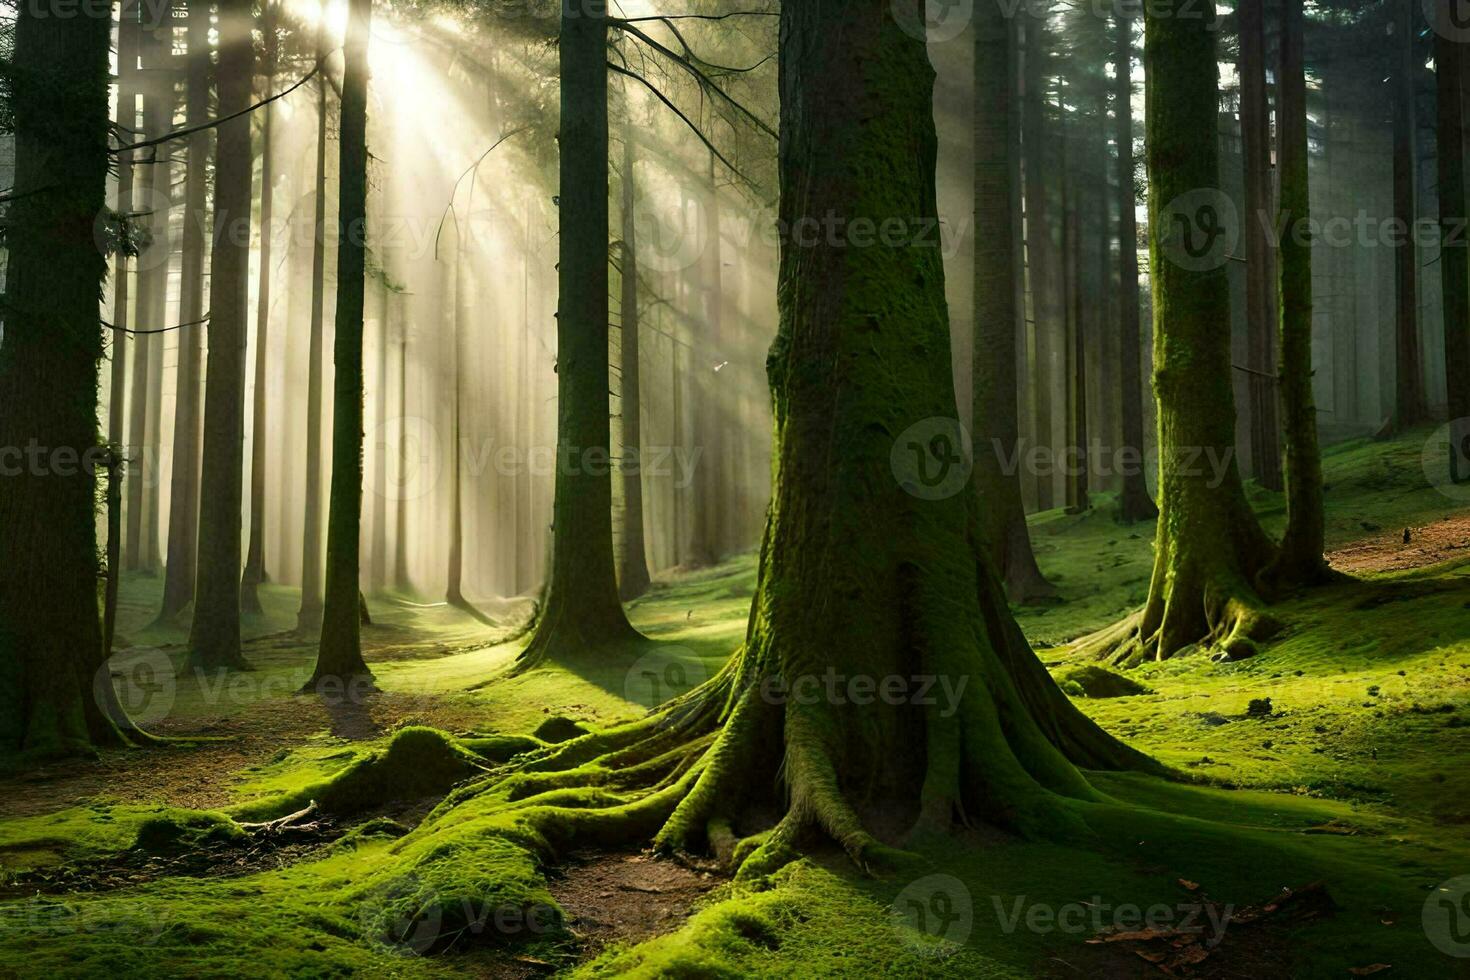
(993, 361)
(582, 610)
(1041, 250)
(339, 656)
(1450, 67)
(1134, 502)
(1301, 560)
(309, 614)
(214, 638)
(1260, 261)
(1410, 408)
(254, 573)
(55, 694)
(1210, 548)
(633, 563)
(183, 498)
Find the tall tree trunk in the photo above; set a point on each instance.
(214, 639)
(1210, 547)
(50, 631)
(254, 573)
(183, 498)
(1450, 68)
(127, 60)
(582, 610)
(1301, 560)
(1260, 260)
(633, 563)
(1410, 408)
(1134, 503)
(1041, 249)
(707, 543)
(859, 576)
(309, 615)
(1076, 459)
(401, 579)
(339, 656)
(993, 360)
(454, 588)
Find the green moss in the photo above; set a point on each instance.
(181, 830)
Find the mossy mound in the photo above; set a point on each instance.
(1090, 681)
(175, 831)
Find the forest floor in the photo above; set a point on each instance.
(1334, 764)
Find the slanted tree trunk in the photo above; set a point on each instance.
(339, 656)
(633, 563)
(309, 614)
(1450, 67)
(51, 655)
(993, 361)
(183, 499)
(581, 609)
(254, 573)
(214, 638)
(1260, 261)
(1134, 503)
(1301, 560)
(1410, 408)
(1210, 548)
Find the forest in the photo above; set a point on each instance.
(734, 488)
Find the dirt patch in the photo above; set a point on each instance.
(625, 896)
(1387, 551)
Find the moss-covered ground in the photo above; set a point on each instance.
(1355, 773)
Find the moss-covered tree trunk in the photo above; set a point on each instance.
(1210, 549)
(1134, 502)
(993, 364)
(182, 562)
(581, 609)
(50, 631)
(861, 577)
(1410, 407)
(1301, 560)
(309, 614)
(1260, 261)
(339, 655)
(214, 637)
(633, 562)
(1450, 65)
(254, 573)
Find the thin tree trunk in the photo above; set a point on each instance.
(633, 563)
(339, 657)
(1301, 560)
(993, 354)
(1410, 408)
(50, 631)
(1450, 68)
(309, 615)
(1260, 260)
(254, 574)
(214, 639)
(401, 580)
(1134, 503)
(183, 500)
(1076, 459)
(582, 610)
